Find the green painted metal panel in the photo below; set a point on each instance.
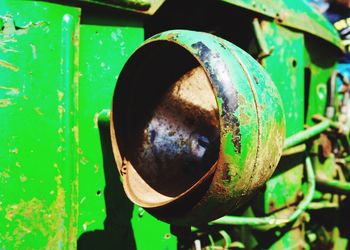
(288, 54)
(103, 51)
(320, 66)
(38, 164)
(283, 188)
(107, 218)
(295, 14)
(58, 182)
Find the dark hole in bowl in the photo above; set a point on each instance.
(166, 118)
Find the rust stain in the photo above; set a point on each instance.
(4, 174)
(59, 149)
(60, 95)
(79, 151)
(61, 110)
(96, 120)
(74, 214)
(23, 178)
(244, 118)
(76, 76)
(9, 65)
(38, 111)
(84, 161)
(5, 102)
(76, 89)
(75, 131)
(96, 168)
(33, 216)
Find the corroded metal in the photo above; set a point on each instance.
(294, 14)
(281, 217)
(221, 104)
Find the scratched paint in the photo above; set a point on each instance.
(9, 65)
(35, 216)
(39, 147)
(244, 162)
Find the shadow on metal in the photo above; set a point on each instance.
(117, 232)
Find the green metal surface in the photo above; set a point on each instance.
(320, 66)
(103, 51)
(294, 14)
(248, 147)
(56, 184)
(58, 180)
(38, 149)
(277, 219)
(289, 78)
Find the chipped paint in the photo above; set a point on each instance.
(4, 174)
(61, 110)
(59, 149)
(4, 42)
(10, 29)
(88, 223)
(96, 120)
(38, 111)
(34, 51)
(60, 95)
(60, 131)
(23, 178)
(8, 65)
(5, 102)
(14, 150)
(96, 167)
(74, 214)
(84, 161)
(10, 90)
(75, 131)
(241, 166)
(33, 216)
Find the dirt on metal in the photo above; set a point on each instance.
(181, 140)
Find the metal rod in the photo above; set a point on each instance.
(273, 220)
(334, 186)
(307, 134)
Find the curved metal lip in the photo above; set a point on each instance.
(118, 157)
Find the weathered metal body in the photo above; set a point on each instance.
(199, 122)
(244, 127)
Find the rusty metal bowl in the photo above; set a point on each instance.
(197, 127)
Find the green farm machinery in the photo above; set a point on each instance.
(152, 124)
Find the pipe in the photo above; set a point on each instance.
(307, 133)
(272, 220)
(334, 186)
